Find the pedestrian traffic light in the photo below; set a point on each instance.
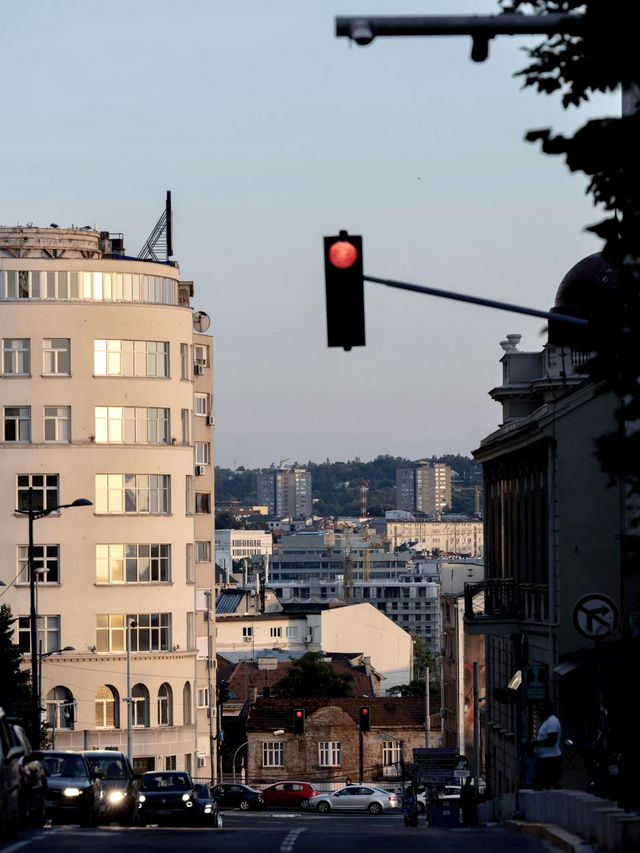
(223, 692)
(365, 719)
(298, 721)
(344, 291)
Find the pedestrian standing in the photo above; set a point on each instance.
(469, 804)
(410, 807)
(548, 750)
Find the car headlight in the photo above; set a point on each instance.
(72, 792)
(186, 798)
(207, 809)
(142, 798)
(115, 797)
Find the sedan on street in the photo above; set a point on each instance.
(207, 806)
(354, 798)
(167, 796)
(74, 790)
(232, 796)
(119, 785)
(288, 794)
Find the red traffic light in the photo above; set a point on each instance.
(299, 714)
(364, 712)
(343, 254)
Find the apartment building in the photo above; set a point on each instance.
(286, 491)
(424, 487)
(106, 394)
(234, 545)
(462, 537)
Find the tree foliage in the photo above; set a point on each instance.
(15, 682)
(312, 678)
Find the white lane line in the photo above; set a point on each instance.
(17, 846)
(290, 840)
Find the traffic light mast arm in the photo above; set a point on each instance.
(477, 300)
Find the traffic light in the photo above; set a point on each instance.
(223, 692)
(298, 721)
(365, 719)
(344, 291)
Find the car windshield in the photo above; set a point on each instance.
(203, 791)
(111, 768)
(165, 781)
(67, 766)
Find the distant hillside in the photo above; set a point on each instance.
(336, 485)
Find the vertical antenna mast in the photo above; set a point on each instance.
(159, 245)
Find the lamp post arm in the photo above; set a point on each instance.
(235, 754)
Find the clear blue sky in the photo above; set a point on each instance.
(271, 133)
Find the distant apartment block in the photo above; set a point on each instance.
(424, 488)
(237, 544)
(286, 491)
(459, 537)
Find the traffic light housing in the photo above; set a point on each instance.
(298, 721)
(344, 291)
(223, 692)
(365, 718)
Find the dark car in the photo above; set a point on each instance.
(74, 790)
(33, 783)
(231, 796)
(10, 754)
(207, 806)
(288, 794)
(119, 785)
(167, 796)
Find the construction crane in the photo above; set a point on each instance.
(283, 460)
(364, 493)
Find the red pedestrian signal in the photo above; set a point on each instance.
(365, 719)
(344, 291)
(298, 721)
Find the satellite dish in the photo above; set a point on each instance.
(201, 321)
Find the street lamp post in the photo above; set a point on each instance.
(277, 733)
(33, 514)
(131, 623)
(42, 654)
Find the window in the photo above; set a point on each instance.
(275, 632)
(292, 632)
(140, 705)
(170, 762)
(201, 404)
(191, 630)
(133, 493)
(107, 707)
(202, 697)
(110, 632)
(190, 563)
(96, 286)
(184, 361)
(184, 423)
(391, 756)
(247, 634)
(48, 633)
(46, 562)
(135, 563)
(45, 491)
(60, 708)
(16, 357)
(329, 753)
(151, 632)
(272, 754)
(17, 424)
(56, 357)
(57, 424)
(165, 707)
(202, 452)
(187, 717)
(203, 551)
(190, 498)
(131, 358)
(201, 354)
(203, 502)
(129, 425)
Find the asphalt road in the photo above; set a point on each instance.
(279, 833)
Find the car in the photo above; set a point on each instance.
(10, 754)
(355, 798)
(445, 792)
(288, 794)
(119, 784)
(74, 790)
(207, 806)
(167, 796)
(33, 783)
(231, 795)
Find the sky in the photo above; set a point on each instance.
(271, 133)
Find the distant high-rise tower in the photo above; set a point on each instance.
(424, 488)
(286, 491)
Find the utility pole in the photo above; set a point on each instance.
(212, 703)
(476, 726)
(129, 700)
(427, 712)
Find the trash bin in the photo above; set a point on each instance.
(444, 813)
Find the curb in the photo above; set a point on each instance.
(555, 835)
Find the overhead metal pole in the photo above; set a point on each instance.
(129, 699)
(212, 704)
(33, 630)
(427, 711)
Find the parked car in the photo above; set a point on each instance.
(33, 783)
(355, 798)
(167, 796)
(207, 806)
(74, 790)
(10, 754)
(119, 784)
(230, 796)
(446, 792)
(288, 794)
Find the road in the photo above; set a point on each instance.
(278, 833)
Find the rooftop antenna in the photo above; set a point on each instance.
(159, 245)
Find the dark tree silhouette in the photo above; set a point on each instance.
(15, 683)
(311, 678)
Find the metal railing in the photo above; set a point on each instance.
(504, 598)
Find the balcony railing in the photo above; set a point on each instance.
(502, 598)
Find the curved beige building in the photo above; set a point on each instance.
(106, 394)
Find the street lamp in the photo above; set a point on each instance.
(33, 514)
(277, 732)
(131, 623)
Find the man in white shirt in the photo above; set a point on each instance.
(548, 749)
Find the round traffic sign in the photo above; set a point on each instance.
(595, 616)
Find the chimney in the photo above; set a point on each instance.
(367, 665)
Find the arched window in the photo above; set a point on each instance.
(165, 705)
(107, 708)
(140, 705)
(60, 708)
(187, 716)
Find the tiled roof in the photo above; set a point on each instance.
(272, 714)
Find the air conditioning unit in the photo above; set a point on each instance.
(211, 420)
(198, 369)
(308, 638)
(200, 470)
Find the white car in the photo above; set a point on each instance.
(450, 792)
(354, 798)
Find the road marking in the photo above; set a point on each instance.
(290, 840)
(17, 846)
